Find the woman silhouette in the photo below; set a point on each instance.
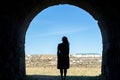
(63, 57)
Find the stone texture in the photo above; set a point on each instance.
(15, 17)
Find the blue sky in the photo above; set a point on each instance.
(50, 25)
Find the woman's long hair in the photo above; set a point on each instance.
(65, 40)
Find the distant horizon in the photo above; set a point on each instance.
(70, 53)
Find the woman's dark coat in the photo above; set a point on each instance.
(63, 56)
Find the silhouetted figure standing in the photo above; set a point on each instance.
(63, 57)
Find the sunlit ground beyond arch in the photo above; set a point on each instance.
(75, 72)
(47, 29)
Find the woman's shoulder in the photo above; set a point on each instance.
(60, 44)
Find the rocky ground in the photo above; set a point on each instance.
(75, 60)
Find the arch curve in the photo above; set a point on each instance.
(85, 5)
(17, 15)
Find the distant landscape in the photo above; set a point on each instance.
(82, 67)
(82, 60)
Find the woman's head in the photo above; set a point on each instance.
(64, 39)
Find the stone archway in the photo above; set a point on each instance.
(17, 15)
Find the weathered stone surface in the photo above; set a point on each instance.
(15, 17)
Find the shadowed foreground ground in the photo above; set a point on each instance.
(50, 77)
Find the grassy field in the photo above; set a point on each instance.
(52, 73)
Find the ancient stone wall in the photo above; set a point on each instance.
(15, 17)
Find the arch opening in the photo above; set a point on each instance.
(72, 34)
(16, 19)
